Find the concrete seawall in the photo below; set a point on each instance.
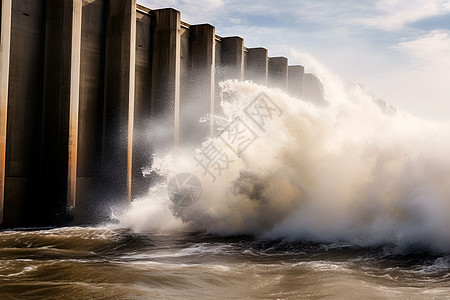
(80, 80)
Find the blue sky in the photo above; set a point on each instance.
(398, 49)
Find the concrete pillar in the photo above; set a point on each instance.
(60, 104)
(120, 57)
(295, 78)
(232, 57)
(201, 85)
(90, 122)
(166, 73)
(219, 76)
(74, 101)
(313, 89)
(142, 147)
(22, 205)
(230, 64)
(278, 72)
(185, 134)
(256, 69)
(5, 46)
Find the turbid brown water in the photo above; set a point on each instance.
(114, 263)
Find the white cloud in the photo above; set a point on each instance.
(397, 14)
(431, 49)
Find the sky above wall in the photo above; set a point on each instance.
(397, 49)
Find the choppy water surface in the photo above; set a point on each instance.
(113, 263)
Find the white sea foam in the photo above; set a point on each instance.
(345, 172)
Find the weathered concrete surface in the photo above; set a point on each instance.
(257, 65)
(90, 110)
(5, 44)
(60, 105)
(232, 58)
(229, 64)
(23, 147)
(131, 91)
(185, 90)
(295, 78)
(203, 65)
(142, 146)
(199, 101)
(166, 48)
(119, 99)
(278, 73)
(74, 102)
(219, 76)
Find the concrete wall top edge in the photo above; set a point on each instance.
(232, 37)
(165, 8)
(143, 9)
(278, 58)
(256, 48)
(296, 66)
(201, 24)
